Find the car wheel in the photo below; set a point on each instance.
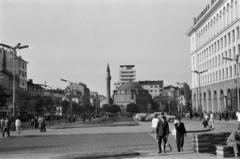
(170, 120)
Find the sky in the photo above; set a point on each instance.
(76, 39)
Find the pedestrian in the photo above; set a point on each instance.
(6, 127)
(32, 123)
(2, 123)
(18, 125)
(36, 122)
(155, 121)
(220, 116)
(211, 120)
(40, 122)
(44, 124)
(238, 116)
(234, 141)
(162, 132)
(180, 133)
(227, 116)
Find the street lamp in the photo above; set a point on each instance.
(18, 46)
(181, 86)
(199, 89)
(236, 60)
(70, 94)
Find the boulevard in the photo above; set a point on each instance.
(56, 142)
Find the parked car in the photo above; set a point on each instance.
(170, 118)
(141, 116)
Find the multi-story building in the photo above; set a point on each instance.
(22, 73)
(79, 93)
(94, 99)
(8, 64)
(35, 91)
(127, 73)
(155, 88)
(215, 36)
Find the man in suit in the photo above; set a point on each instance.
(180, 133)
(162, 132)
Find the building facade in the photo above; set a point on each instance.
(127, 73)
(8, 65)
(94, 99)
(35, 91)
(155, 88)
(131, 92)
(79, 93)
(215, 36)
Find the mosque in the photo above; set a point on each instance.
(130, 92)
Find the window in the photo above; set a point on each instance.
(234, 53)
(221, 42)
(219, 74)
(225, 40)
(222, 73)
(226, 72)
(238, 33)
(233, 35)
(234, 71)
(230, 55)
(229, 38)
(230, 73)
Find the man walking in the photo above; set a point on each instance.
(162, 131)
(6, 127)
(180, 132)
(18, 125)
(238, 116)
(2, 123)
(155, 121)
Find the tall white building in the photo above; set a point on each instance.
(214, 35)
(127, 73)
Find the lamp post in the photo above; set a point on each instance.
(44, 85)
(70, 95)
(18, 46)
(236, 60)
(181, 87)
(199, 89)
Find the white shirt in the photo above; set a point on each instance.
(18, 122)
(155, 122)
(238, 116)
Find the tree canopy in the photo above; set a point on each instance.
(132, 108)
(113, 109)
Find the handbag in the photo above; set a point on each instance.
(168, 147)
(173, 131)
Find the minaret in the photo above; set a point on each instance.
(108, 79)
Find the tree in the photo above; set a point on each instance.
(65, 107)
(49, 105)
(149, 108)
(22, 101)
(105, 106)
(113, 109)
(132, 108)
(4, 97)
(39, 106)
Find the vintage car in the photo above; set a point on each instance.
(170, 118)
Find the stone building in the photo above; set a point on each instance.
(215, 36)
(131, 92)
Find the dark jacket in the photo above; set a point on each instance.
(162, 129)
(180, 129)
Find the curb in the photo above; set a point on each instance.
(96, 155)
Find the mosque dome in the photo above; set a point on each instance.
(130, 86)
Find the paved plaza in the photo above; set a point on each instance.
(56, 142)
